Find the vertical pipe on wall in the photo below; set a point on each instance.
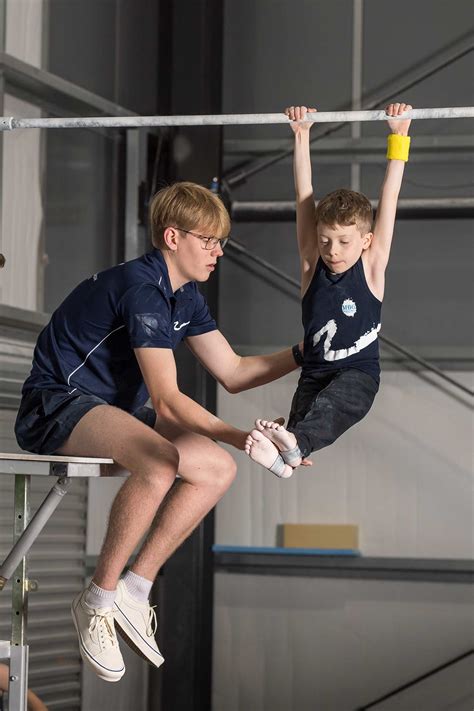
(135, 232)
(357, 63)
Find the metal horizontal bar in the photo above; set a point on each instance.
(25, 457)
(407, 208)
(414, 569)
(38, 465)
(9, 123)
(457, 147)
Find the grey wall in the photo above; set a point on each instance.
(80, 229)
(110, 48)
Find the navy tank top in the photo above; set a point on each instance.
(341, 319)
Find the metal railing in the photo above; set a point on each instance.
(407, 208)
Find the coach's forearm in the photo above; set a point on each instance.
(253, 371)
(181, 410)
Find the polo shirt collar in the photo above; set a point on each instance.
(165, 283)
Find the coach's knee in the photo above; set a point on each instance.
(168, 462)
(222, 470)
(161, 467)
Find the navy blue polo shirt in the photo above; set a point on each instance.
(88, 344)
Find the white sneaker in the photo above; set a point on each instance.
(98, 642)
(136, 623)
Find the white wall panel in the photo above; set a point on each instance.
(22, 211)
(403, 474)
(24, 36)
(310, 644)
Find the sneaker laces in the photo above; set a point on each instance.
(152, 625)
(102, 622)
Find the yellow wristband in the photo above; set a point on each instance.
(398, 147)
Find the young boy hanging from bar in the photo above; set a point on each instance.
(343, 260)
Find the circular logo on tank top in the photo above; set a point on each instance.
(349, 307)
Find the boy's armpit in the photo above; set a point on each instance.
(374, 272)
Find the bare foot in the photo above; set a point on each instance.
(277, 434)
(261, 450)
(280, 436)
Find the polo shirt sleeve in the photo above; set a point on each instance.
(146, 314)
(201, 321)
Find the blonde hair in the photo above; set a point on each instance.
(189, 206)
(345, 207)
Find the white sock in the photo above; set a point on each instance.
(98, 597)
(138, 587)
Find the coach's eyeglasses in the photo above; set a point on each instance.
(207, 242)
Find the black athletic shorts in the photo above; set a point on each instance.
(325, 405)
(46, 418)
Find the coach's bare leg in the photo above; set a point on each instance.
(152, 462)
(206, 471)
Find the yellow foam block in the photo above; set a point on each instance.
(320, 535)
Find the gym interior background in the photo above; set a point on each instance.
(243, 631)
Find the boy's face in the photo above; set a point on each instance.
(196, 261)
(340, 246)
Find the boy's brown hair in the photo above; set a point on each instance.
(189, 206)
(345, 207)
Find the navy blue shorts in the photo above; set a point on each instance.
(46, 418)
(325, 405)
